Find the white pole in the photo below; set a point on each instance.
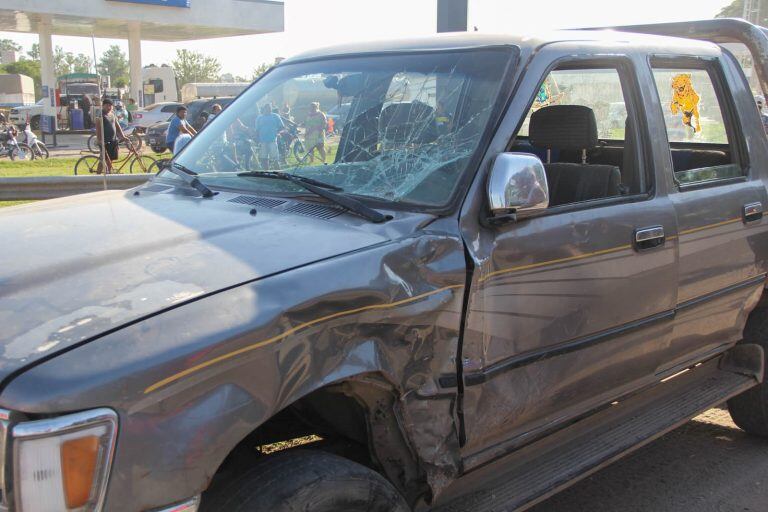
(47, 72)
(134, 59)
(100, 119)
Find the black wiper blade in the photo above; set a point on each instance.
(290, 177)
(190, 178)
(324, 190)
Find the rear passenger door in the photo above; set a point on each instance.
(566, 312)
(718, 196)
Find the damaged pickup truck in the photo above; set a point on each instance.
(516, 260)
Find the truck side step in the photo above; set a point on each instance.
(537, 471)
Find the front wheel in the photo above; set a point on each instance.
(89, 164)
(308, 481)
(21, 152)
(142, 164)
(40, 151)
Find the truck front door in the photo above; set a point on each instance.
(566, 312)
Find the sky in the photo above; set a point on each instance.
(315, 23)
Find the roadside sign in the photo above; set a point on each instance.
(149, 88)
(166, 3)
(45, 91)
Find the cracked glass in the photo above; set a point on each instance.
(393, 127)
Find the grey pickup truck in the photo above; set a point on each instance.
(515, 261)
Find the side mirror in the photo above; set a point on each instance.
(517, 187)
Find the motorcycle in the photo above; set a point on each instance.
(12, 148)
(288, 142)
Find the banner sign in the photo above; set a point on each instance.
(165, 3)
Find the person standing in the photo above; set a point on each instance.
(87, 105)
(268, 127)
(111, 133)
(215, 110)
(179, 126)
(314, 138)
(132, 107)
(760, 102)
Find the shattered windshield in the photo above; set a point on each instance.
(397, 128)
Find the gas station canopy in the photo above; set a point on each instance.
(157, 20)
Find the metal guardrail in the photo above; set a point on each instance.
(49, 187)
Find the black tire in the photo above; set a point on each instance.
(89, 164)
(136, 140)
(750, 409)
(40, 151)
(159, 150)
(158, 165)
(136, 165)
(93, 144)
(299, 151)
(21, 152)
(305, 480)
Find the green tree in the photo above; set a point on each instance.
(114, 64)
(31, 68)
(65, 63)
(34, 52)
(736, 10)
(9, 44)
(260, 70)
(191, 67)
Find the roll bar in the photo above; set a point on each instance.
(720, 31)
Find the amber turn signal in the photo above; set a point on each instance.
(78, 468)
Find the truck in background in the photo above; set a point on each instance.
(16, 90)
(159, 85)
(193, 91)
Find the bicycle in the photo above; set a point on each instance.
(91, 164)
(132, 135)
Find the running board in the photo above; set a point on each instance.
(537, 471)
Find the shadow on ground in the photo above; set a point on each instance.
(707, 465)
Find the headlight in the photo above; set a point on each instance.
(63, 463)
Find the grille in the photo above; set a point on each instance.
(314, 210)
(267, 202)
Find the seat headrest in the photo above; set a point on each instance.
(569, 127)
(412, 122)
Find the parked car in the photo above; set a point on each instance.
(433, 319)
(22, 114)
(197, 114)
(154, 113)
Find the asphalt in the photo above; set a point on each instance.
(707, 465)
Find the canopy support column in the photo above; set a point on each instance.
(134, 59)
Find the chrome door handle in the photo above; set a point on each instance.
(648, 238)
(752, 212)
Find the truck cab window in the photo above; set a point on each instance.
(579, 126)
(698, 132)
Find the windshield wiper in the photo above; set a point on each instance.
(190, 178)
(290, 177)
(324, 190)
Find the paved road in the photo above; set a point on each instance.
(708, 465)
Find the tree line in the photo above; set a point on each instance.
(189, 66)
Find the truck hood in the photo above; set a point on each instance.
(74, 268)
